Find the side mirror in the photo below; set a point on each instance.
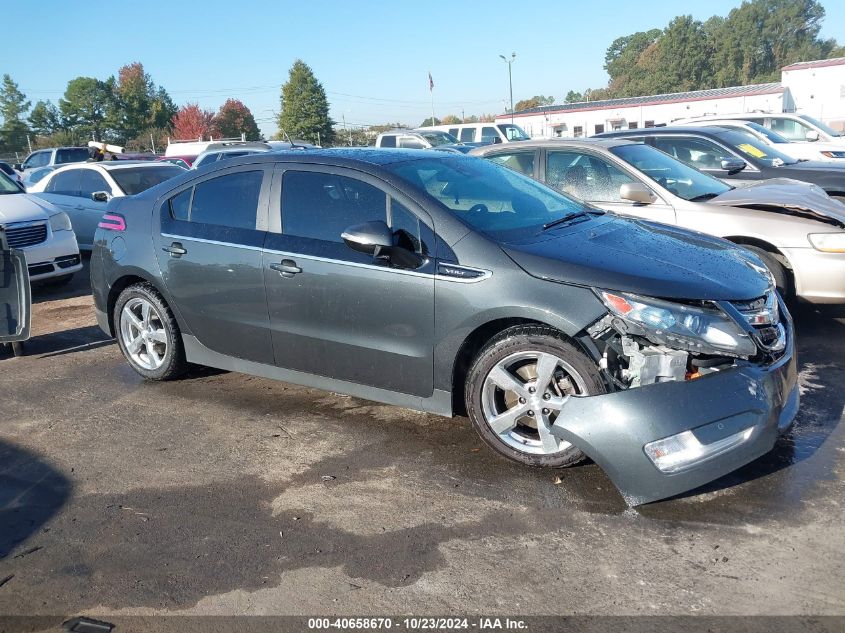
(812, 136)
(101, 196)
(733, 165)
(637, 192)
(369, 237)
(376, 239)
(18, 166)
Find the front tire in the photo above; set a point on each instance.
(783, 281)
(519, 385)
(148, 334)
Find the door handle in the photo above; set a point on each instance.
(287, 268)
(175, 249)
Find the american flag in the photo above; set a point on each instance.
(430, 82)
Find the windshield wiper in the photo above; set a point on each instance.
(703, 197)
(572, 216)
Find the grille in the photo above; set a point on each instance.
(22, 236)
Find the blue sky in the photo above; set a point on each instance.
(372, 57)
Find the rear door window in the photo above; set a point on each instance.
(90, 181)
(71, 155)
(489, 134)
(321, 206)
(468, 135)
(230, 200)
(65, 183)
(388, 140)
(520, 162)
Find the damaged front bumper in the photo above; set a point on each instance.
(750, 404)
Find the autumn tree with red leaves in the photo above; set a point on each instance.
(191, 121)
(234, 119)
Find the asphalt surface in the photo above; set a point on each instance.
(226, 494)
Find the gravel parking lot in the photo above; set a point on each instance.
(227, 494)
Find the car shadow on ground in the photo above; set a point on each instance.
(63, 342)
(31, 493)
(822, 403)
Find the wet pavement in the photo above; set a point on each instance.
(226, 494)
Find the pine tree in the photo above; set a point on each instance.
(305, 110)
(13, 104)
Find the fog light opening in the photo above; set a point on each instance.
(679, 452)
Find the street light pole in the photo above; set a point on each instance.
(510, 77)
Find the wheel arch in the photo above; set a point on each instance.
(129, 278)
(475, 341)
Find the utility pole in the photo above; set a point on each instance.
(29, 142)
(510, 77)
(152, 143)
(463, 116)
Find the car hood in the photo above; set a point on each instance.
(22, 207)
(779, 194)
(643, 258)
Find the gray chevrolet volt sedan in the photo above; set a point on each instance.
(449, 284)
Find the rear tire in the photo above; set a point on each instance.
(540, 369)
(148, 334)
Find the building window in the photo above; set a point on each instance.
(632, 125)
(649, 123)
(577, 131)
(599, 128)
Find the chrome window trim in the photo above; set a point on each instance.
(486, 273)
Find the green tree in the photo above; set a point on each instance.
(683, 58)
(573, 97)
(137, 103)
(305, 109)
(84, 106)
(428, 121)
(234, 119)
(13, 104)
(450, 119)
(45, 118)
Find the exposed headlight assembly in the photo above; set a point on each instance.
(828, 242)
(696, 329)
(60, 222)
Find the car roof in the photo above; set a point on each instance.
(111, 165)
(708, 130)
(585, 143)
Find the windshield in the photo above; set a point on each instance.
(513, 132)
(490, 198)
(71, 155)
(7, 185)
(773, 136)
(132, 180)
(754, 149)
(438, 138)
(671, 174)
(824, 128)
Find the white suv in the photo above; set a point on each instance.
(42, 231)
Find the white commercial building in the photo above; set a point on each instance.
(815, 88)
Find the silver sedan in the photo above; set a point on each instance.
(795, 227)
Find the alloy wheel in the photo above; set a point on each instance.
(142, 333)
(522, 396)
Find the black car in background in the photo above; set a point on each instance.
(736, 157)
